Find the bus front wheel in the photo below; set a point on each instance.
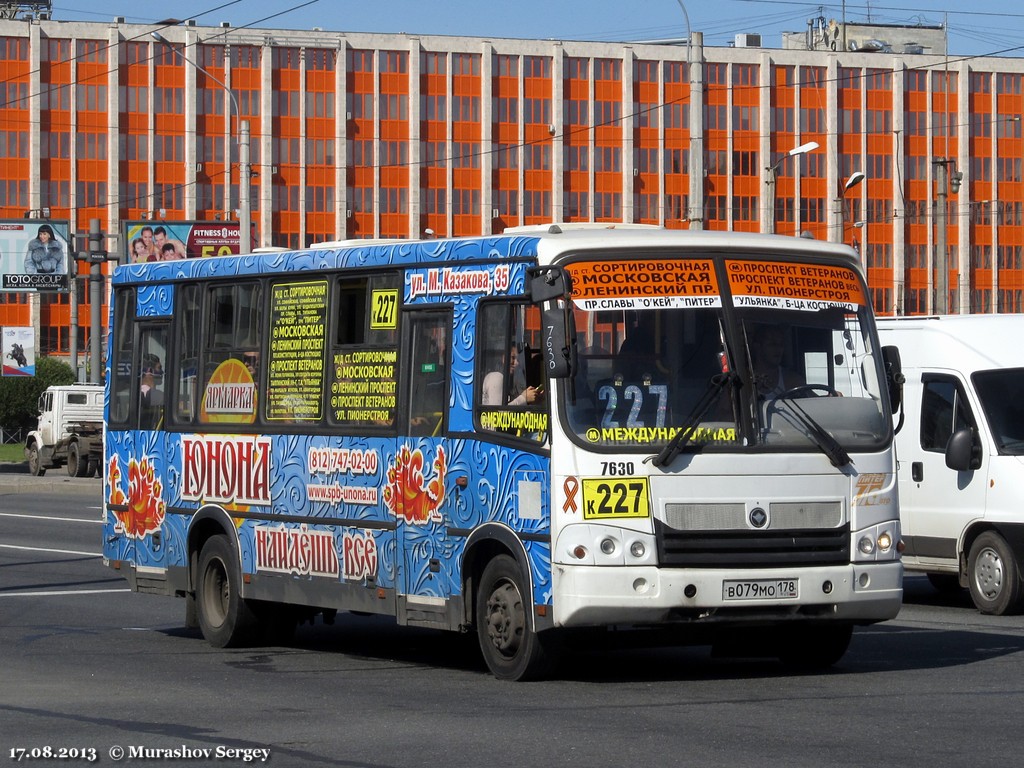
(510, 646)
(814, 648)
(225, 618)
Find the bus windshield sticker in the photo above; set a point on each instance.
(802, 287)
(230, 395)
(644, 284)
(298, 339)
(621, 497)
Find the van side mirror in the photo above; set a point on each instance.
(963, 450)
(894, 377)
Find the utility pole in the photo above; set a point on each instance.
(94, 257)
(944, 181)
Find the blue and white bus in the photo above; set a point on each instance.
(558, 427)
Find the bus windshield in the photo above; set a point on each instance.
(757, 377)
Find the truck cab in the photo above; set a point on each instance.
(960, 453)
(69, 431)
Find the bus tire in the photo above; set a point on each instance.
(35, 463)
(510, 646)
(77, 466)
(814, 648)
(225, 618)
(994, 575)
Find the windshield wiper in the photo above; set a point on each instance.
(818, 435)
(680, 439)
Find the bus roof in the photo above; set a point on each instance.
(546, 243)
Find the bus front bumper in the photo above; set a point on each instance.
(588, 595)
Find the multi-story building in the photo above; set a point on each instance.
(397, 135)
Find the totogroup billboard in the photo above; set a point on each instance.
(34, 255)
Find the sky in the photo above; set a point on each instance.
(977, 28)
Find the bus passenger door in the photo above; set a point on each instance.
(418, 483)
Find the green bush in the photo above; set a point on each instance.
(19, 395)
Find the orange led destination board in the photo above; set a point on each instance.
(782, 285)
(644, 284)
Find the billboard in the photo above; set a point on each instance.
(19, 351)
(34, 255)
(169, 240)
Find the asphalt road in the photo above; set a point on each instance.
(89, 666)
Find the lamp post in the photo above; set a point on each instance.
(952, 180)
(855, 178)
(244, 209)
(772, 169)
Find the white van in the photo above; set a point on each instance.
(960, 453)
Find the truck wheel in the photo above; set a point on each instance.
(995, 575)
(35, 465)
(511, 648)
(78, 466)
(814, 648)
(224, 617)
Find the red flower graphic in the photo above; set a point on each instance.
(146, 508)
(405, 494)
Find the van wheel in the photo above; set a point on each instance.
(510, 646)
(995, 575)
(35, 465)
(225, 618)
(77, 466)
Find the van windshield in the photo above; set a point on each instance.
(999, 392)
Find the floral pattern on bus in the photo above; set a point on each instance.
(406, 495)
(146, 507)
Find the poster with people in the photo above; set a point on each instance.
(147, 241)
(34, 255)
(19, 351)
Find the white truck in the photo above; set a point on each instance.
(69, 431)
(960, 453)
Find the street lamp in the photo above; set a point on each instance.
(244, 214)
(772, 169)
(855, 178)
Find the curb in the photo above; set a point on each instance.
(15, 479)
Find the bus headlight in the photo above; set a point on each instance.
(608, 546)
(877, 543)
(637, 549)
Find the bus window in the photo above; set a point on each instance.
(189, 343)
(121, 379)
(430, 362)
(511, 386)
(152, 353)
(228, 392)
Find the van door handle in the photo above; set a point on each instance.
(917, 471)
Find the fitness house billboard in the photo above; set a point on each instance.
(169, 240)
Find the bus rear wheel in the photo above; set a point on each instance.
(510, 646)
(225, 618)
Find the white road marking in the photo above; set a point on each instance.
(54, 551)
(63, 592)
(95, 521)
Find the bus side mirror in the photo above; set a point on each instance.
(963, 450)
(548, 284)
(894, 377)
(558, 345)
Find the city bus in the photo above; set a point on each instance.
(531, 436)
